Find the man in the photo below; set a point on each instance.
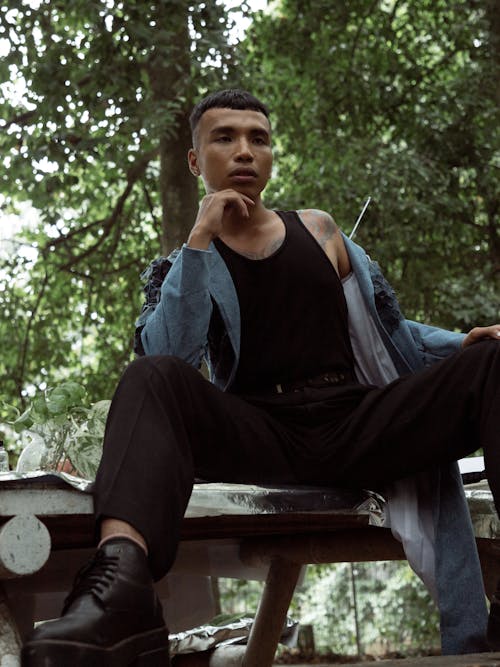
(261, 294)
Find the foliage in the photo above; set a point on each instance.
(391, 98)
(384, 97)
(62, 431)
(385, 593)
(107, 85)
(395, 612)
(239, 596)
(399, 100)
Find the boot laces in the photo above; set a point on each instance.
(93, 578)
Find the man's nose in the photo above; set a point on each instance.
(244, 150)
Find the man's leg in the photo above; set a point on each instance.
(167, 424)
(432, 417)
(437, 415)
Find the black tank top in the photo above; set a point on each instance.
(293, 312)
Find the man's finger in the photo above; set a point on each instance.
(480, 333)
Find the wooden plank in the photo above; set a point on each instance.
(77, 531)
(364, 544)
(42, 499)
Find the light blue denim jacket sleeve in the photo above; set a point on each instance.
(180, 322)
(434, 343)
(178, 325)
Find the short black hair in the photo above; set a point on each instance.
(232, 98)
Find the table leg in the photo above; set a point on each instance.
(271, 614)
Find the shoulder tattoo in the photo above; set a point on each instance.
(321, 225)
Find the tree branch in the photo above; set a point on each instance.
(134, 173)
(26, 341)
(74, 232)
(150, 204)
(356, 40)
(111, 272)
(22, 119)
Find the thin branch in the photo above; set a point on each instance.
(74, 232)
(139, 166)
(471, 223)
(111, 272)
(86, 316)
(22, 119)
(108, 226)
(25, 345)
(393, 13)
(134, 173)
(356, 39)
(150, 204)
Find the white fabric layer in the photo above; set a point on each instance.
(409, 510)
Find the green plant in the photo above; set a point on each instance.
(71, 432)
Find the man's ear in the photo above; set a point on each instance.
(193, 162)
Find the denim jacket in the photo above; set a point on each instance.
(193, 313)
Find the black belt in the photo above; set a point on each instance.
(330, 379)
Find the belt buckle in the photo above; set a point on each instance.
(334, 378)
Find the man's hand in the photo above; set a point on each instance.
(215, 209)
(480, 333)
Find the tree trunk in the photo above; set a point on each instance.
(170, 76)
(178, 187)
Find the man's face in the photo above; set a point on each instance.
(232, 150)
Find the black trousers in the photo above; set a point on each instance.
(168, 425)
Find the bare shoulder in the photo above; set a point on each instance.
(327, 233)
(320, 223)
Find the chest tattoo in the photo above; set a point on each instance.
(269, 249)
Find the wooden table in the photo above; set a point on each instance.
(47, 533)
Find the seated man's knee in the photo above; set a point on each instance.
(487, 347)
(156, 365)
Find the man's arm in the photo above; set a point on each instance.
(179, 323)
(326, 232)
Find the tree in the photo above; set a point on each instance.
(395, 611)
(384, 97)
(98, 144)
(398, 100)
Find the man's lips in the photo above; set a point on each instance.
(243, 173)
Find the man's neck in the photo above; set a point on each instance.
(256, 237)
(260, 220)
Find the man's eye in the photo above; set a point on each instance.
(223, 139)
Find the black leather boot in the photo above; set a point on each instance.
(112, 617)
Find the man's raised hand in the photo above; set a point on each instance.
(215, 210)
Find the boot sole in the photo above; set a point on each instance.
(149, 649)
